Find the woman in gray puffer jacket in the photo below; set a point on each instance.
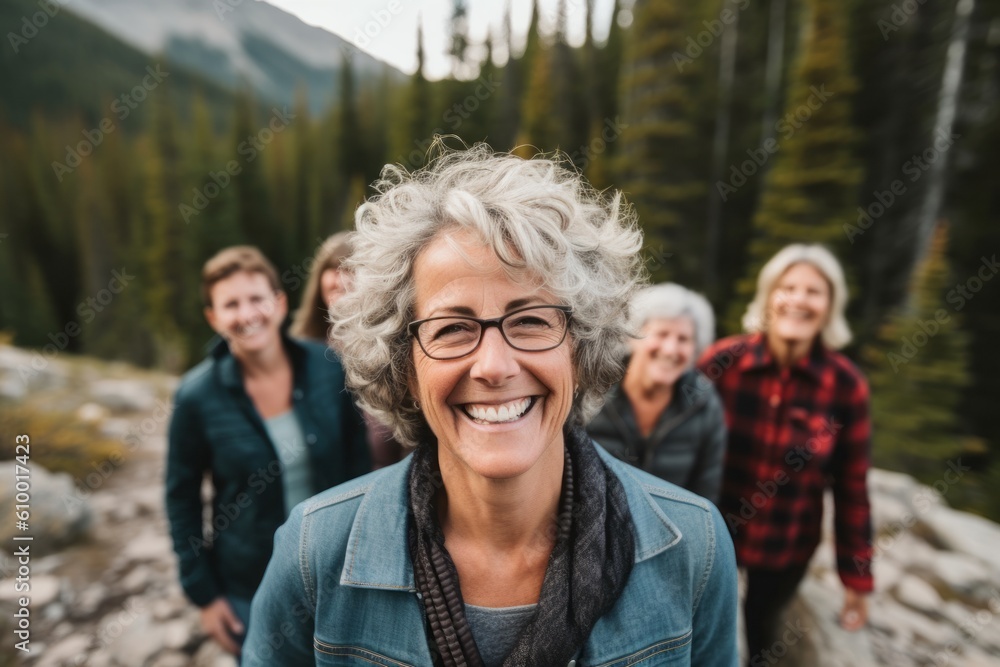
(665, 416)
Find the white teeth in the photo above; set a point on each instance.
(497, 415)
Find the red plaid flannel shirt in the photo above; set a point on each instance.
(792, 433)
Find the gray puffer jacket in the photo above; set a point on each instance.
(686, 447)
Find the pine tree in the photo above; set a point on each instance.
(215, 226)
(918, 370)
(662, 162)
(459, 38)
(538, 130)
(508, 118)
(412, 134)
(976, 205)
(604, 86)
(166, 280)
(304, 221)
(251, 200)
(350, 147)
(810, 192)
(570, 101)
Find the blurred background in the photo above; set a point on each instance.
(138, 137)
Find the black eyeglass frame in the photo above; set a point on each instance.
(497, 322)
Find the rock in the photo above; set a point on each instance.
(887, 574)
(89, 600)
(906, 625)
(887, 514)
(825, 643)
(885, 484)
(177, 633)
(976, 658)
(211, 655)
(960, 574)
(148, 546)
(12, 388)
(171, 659)
(963, 533)
(137, 580)
(123, 395)
(65, 653)
(58, 516)
(147, 501)
(918, 594)
(44, 591)
(169, 607)
(54, 612)
(91, 413)
(141, 639)
(32, 370)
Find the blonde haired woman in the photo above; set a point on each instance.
(797, 412)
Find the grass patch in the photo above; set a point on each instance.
(60, 442)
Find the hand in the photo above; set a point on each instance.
(220, 623)
(854, 615)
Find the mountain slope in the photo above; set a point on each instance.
(253, 42)
(71, 69)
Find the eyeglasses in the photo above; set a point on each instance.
(531, 329)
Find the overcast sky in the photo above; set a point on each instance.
(388, 28)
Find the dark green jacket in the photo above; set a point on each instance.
(216, 430)
(686, 447)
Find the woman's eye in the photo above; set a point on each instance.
(529, 321)
(453, 329)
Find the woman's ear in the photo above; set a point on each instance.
(210, 318)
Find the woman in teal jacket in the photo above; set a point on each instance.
(265, 416)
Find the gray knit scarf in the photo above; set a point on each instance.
(587, 571)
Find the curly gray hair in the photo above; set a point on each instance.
(540, 218)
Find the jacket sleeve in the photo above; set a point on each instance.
(188, 459)
(282, 614)
(713, 640)
(849, 471)
(706, 478)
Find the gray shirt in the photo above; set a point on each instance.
(496, 629)
(296, 478)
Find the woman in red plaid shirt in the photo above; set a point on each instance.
(797, 412)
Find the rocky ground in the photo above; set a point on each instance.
(110, 598)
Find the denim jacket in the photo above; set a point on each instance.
(339, 589)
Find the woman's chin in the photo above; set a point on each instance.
(796, 333)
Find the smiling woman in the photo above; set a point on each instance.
(798, 421)
(267, 418)
(490, 297)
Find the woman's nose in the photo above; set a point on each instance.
(495, 360)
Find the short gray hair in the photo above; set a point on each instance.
(668, 301)
(836, 334)
(538, 216)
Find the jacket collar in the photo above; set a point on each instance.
(758, 357)
(228, 367)
(378, 554)
(687, 391)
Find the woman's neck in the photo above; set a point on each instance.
(263, 363)
(788, 351)
(638, 389)
(503, 515)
